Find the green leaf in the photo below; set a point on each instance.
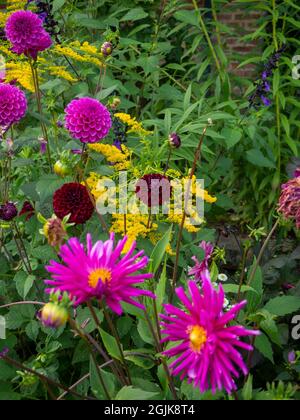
(255, 298)
(256, 157)
(187, 17)
(48, 185)
(160, 291)
(283, 305)
(110, 344)
(269, 326)
(135, 14)
(132, 393)
(159, 251)
(57, 4)
(95, 382)
(263, 345)
(247, 391)
(232, 136)
(187, 98)
(32, 330)
(144, 332)
(234, 288)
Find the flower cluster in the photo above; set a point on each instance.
(263, 87)
(134, 226)
(133, 125)
(118, 157)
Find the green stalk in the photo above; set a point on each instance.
(277, 101)
(40, 109)
(209, 42)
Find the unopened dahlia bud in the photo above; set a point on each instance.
(107, 49)
(114, 102)
(175, 141)
(61, 169)
(60, 124)
(53, 315)
(55, 231)
(8, 211)
(43, 145)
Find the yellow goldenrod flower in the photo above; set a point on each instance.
(71, 53)
(61, 72)
(120, 158)
(21, 72)
(135, 226)
(133, 124)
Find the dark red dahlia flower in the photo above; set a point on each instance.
(73, 199)
(154, 189)
(27, 209)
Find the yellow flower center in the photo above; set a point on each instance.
(99, 274)
(198, 337)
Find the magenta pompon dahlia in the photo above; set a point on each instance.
(25, 31)
(99, 272)
(13, 105)
(201, 267)
(207, 349)
(87, 120)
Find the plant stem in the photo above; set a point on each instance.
(20, 366)
(118, 372)
(159, 349)
(115, 333)
(197, 157)
(91, 350)
(25, 302)
(277, 101)
(262, 251)
(205, 31)
(40, 109)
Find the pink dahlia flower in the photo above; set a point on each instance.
(99, 272)
(25, 31)
(13, 105)
(289, 202)
(87, 120)
(207, 348)
(201, 267)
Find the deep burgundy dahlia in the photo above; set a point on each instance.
(73, 199)
(27, 209)
(13, 105)
(87, 120)
(153, 189)
(25, 31)
(8, 211)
